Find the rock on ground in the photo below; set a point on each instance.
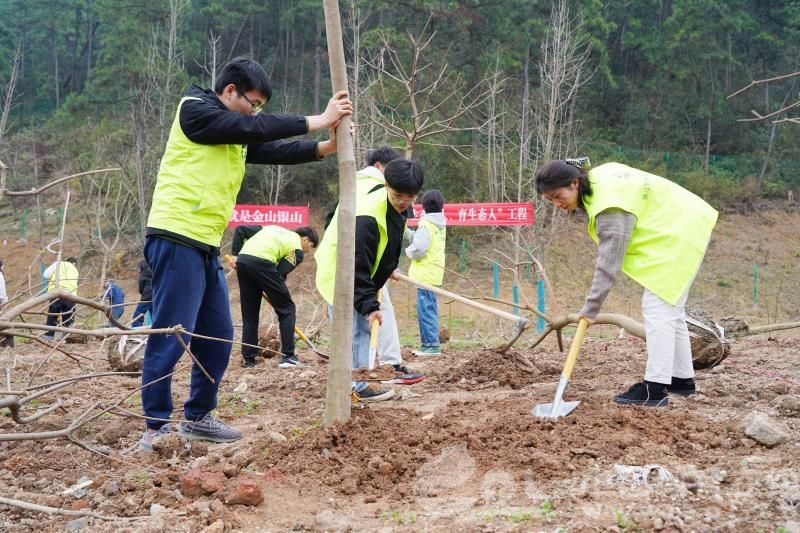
(198, 482)
(245, 492)
(765, 430)
(329, 520)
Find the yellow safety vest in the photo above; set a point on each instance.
(373, 205)
(67, 278)
(197, 186)
(430, 269)
(367, 179)
(673, 226)
(272, 243)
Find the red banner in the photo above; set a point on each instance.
(288, 216)
(488, 214)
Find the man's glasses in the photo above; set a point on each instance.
(256, 108)
(401, 199)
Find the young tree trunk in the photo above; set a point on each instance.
(8, 97)
(317, 65)
(773, 134)
(524, 141)
(301, 74)
(55, 67)
(337, 399)
(89, 45)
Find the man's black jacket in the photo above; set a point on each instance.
(208, 121)
(366, 290)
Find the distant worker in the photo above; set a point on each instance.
(61, 275)
(656, 232)
(427, 265)
(3, 294)
(380, 225)
(116, 298)
(145, 305)
(263, 257)
(5, 340)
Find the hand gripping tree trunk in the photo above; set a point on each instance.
(337, 399)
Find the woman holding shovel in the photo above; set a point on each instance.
(657, 233)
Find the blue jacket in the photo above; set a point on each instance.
(115, 293)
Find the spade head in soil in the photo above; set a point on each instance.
(559, 407)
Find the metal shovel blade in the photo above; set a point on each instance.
(546, 410)
(559, 407)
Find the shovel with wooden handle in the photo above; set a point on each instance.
(373, 339)
(309, 344)
(300, 334)
(373, 344)
(519, 321)
(559, 407)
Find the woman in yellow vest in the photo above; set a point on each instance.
(427, 265)
(657, 233)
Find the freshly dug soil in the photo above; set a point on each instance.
(513, 369)
(369, 456)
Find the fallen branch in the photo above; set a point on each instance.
(62, 512)
(34, 191)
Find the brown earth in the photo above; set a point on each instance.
(459, 451)
(452, 455)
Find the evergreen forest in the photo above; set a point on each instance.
(480, 91)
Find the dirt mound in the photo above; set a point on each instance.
(369, 456)
(512, 369)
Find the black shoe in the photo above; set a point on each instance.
(289, 362)
(682, 386)
(249, 363)
(646, 394)
(373, 393)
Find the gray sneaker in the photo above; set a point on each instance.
(210, 429)
(150, 436)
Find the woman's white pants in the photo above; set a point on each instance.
(669, 353)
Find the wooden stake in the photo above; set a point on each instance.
(337, 398)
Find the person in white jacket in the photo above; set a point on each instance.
(3, 294)
(427, 254)
(5, 340)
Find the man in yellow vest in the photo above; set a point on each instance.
(214, 133)
(380, 225)
(656, 232)
(427, 265)
(61, 275)
(263, 257)
(369, 179)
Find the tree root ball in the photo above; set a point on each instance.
(77, 338)
(709, 347)
(269, 336)
(125, 353)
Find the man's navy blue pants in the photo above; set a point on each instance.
(189, 288)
